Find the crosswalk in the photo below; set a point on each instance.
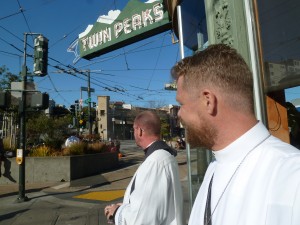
(106, 196)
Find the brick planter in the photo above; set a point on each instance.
(61, 168)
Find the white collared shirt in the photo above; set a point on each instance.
(265, 189)
(157, 196)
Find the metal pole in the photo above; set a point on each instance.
(80, 103)
(259, 96)
(113, 123)
(188, 150)
(180, 33)
(22, 116)
(79, 129)
(89, 102)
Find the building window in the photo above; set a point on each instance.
(102, 112)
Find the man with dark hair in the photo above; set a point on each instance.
(255, 178)
(154, 195)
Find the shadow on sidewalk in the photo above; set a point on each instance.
(31, 190)
(12, 215)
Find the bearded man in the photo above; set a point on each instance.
(255, 178)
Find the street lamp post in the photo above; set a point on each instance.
(113, 121)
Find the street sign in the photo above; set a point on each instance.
(87, 101)
(86, 89)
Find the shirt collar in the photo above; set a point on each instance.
(159, 144)
(146, 149)
(241, 146)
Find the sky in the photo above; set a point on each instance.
(135, 74)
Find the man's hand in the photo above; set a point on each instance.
(110, 210)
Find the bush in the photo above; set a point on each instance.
(75, 149)
(81, 148)
(6, 144)
(40, 151)
(96, 148)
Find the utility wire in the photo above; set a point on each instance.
(157, 59)
(11, 44)
(68, 66)
(11, 53)
(11, 33)
(16, 13)
(57, 90)
(24, 18)
(109, 88)
(120, 54)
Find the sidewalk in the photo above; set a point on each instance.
(58, 203)
(54, 203)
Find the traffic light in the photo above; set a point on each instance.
(40, 100)
(72, 109)
(94, 104)
(76, 105)
(40, 64)
(4, 99)
(82, 116)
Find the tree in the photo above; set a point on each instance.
(7, 77)
(156, 104)
(86, 113)
(60, 111)
(165, 128)
(51, 131)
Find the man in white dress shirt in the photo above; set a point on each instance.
(153, 196)
(255, 179)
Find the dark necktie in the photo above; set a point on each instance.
(207, 213)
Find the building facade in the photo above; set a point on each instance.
(114, 120)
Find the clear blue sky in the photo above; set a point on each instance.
(136, 72)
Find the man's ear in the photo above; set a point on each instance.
(141, 132)
(210, 101)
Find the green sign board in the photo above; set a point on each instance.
(87, 101)
(137, 21)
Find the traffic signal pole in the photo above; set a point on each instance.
(22, 143)
(40, 69)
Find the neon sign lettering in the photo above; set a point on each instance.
(127, 26)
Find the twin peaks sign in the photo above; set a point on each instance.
(137, 21)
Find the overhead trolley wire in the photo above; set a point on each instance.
(25, 19)
(60, 65)
(13, 14)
